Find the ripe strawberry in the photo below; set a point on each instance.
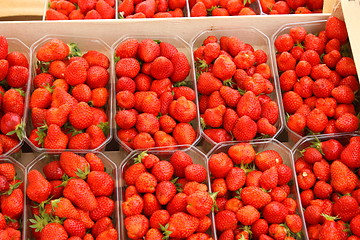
(163, 171)
(105, 208)
(245, 128)
(229, 119)
(247, 215)
(181, 67)
(284, 42)
(218, 134)
(143, 141)
(316, 121)
(148, 50)
(292, 101)
(17, 76)
(198, 10)
(136, 226)
(235, 179)
(38, 188)
(208, 83)
(4, 47)
(336, 28)
(249, 194)
(97, 77)
(347, 123)
(83, 199)
(101, 226)
(187, 92)
(73, 164)
(54, 230)
(242, 153)
(182, 225)
(195, 172)
(343, 94)
(220, 164)
(225, 220)
(12, 204)
(132, 205)
(13, 101)
(80, 141)
(81, 116)
(97, 136)
(125, 83)
(343, 180)
(267, 159)
(127, 67)
(354, 226)
(249, 105)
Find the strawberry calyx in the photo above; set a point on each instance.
(22, 92)
(263, 136)
(9, 219)
(228, 82)
(174, 180)
(330, 218)
(157, 41)
(12, 188)
(65, 179)
(246, 2)
(41, 133)
(140, 157)
(290, 233)
(43, 66)
(213, 197)
(121, 15)
(248, 167)
(180, 84)
(241, 91)
(201, 65)
(116, 58)
(83, 173)
(165, 232)
(209, 10)
(298, 44)
(74, 50)
(202, 123)
(19, 131)
(105, 127)
(238, 193)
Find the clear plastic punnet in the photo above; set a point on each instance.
(85, 44)
(46, 157)
(261, 145)
(163, 154)
(258, 40)
(182, 46)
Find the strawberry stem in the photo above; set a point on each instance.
(74, 50)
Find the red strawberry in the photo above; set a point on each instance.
(343, 180)
(136, 226)
(208, 83)
(181, 67)
(347, 123)
(81, 116)
(83, 199)
(55, 138)
(38, 188)
(198, 10)
(249, 105)
(245, 128)
(165, 191)
(182, 225)
(292, 101)
(336, 28)
(225, 220)
(4, 47)
(55, 49)
(148, 50)
(235, 179)
(54, 230)
(13, 101)
(249, 194)
(218, 134)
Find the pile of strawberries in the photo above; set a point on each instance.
(291, 6)
(12, 202)
(166, 198)
(80, 9)
(151, 8)
(14, 74)
(203, 8)
(253, 195)
(318, 79)
(155, 100)
(69, 98)
(234, 80)
(72, 200)
(328, 178)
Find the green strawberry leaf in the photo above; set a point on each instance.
(43, 66)
(19, 131)
(83, 174)
(140, 157)
(105, 127)
(74, 50)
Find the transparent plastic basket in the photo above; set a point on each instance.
(85, 45)
(285, 153)
(44, 158)
(164, 154)
(182, 46)
(258, 40)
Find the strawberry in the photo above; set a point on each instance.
(55, 49)
(105, 10)
(136, 226)
(181, 67)
(322, 87)
(229, 119)
(125, 83)
(347, 123)
(97, 136)
(38, 188)
(230, 95)
(284, 42)
(198, 10)
(346, 208)
(218, 134)
(81, 116)
(161, 68)
(101, 225)
(165, 191)
(148, 50)
(269, 178)
(220, 164)
(53, 171)
(63, 208)
(249, 105)
(330, 229)
(245, 128)
(143, 141)
(13, 101)
(249, 194)
(208, 83)
(187, 92)
(316, 120)
(242, 153)
(163, 171)
(159, 217)
(54, 230)
(292, 101)
(343, 180)
(195, 172)
(127, 48)
(4, 47)
(350, 155)
(182, 225)
(52, 14)
(235, 179)
(133, 205)
(336, 28)
(354, 226)
(105, 207)
(17, 76)
(97, 77)
(73, 164)
(182, 110)
(83, 199)
(224, 68)
(127, 67)
(225, 220)
(12, 204)
(80, 141)
(286, 61)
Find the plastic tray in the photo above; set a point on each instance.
(182, 46)
(305, 142)
(16, 44)
(164, 154)
(258, 40)
(285, 153)
(85, 45)
(40, 161)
